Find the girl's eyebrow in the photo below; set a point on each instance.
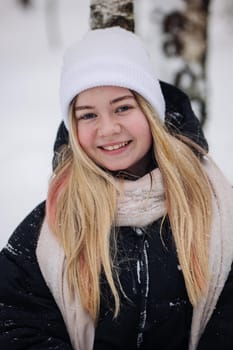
(118, 99)
(115, 100)
(80, 108)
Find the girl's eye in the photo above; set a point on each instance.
(86, 116)
(124, 108)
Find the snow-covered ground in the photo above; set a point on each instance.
(31, 49)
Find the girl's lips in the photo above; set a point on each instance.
(114, 147)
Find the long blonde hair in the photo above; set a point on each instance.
(81, 206)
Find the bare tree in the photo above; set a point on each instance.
(109, 13)
(51, 19)
(25, 3)
(186, 37)
(52, 23)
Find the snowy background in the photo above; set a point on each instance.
(31, 48)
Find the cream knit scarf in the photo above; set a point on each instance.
(142, 202)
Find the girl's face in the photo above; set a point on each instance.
(112, 130)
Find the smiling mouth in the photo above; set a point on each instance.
(115, 147)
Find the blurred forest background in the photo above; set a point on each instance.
(190, 42)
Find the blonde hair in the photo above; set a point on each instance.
(81, 206)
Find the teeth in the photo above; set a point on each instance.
(111, 148)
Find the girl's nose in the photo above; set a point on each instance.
(109, 126)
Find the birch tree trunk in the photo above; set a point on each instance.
(109, 13)
(186, 37)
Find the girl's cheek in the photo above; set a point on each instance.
(85, 138)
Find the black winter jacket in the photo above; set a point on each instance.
(30, 318)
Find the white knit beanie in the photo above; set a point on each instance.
(109, 57)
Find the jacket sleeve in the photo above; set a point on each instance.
(29, 316)
(219, 330)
